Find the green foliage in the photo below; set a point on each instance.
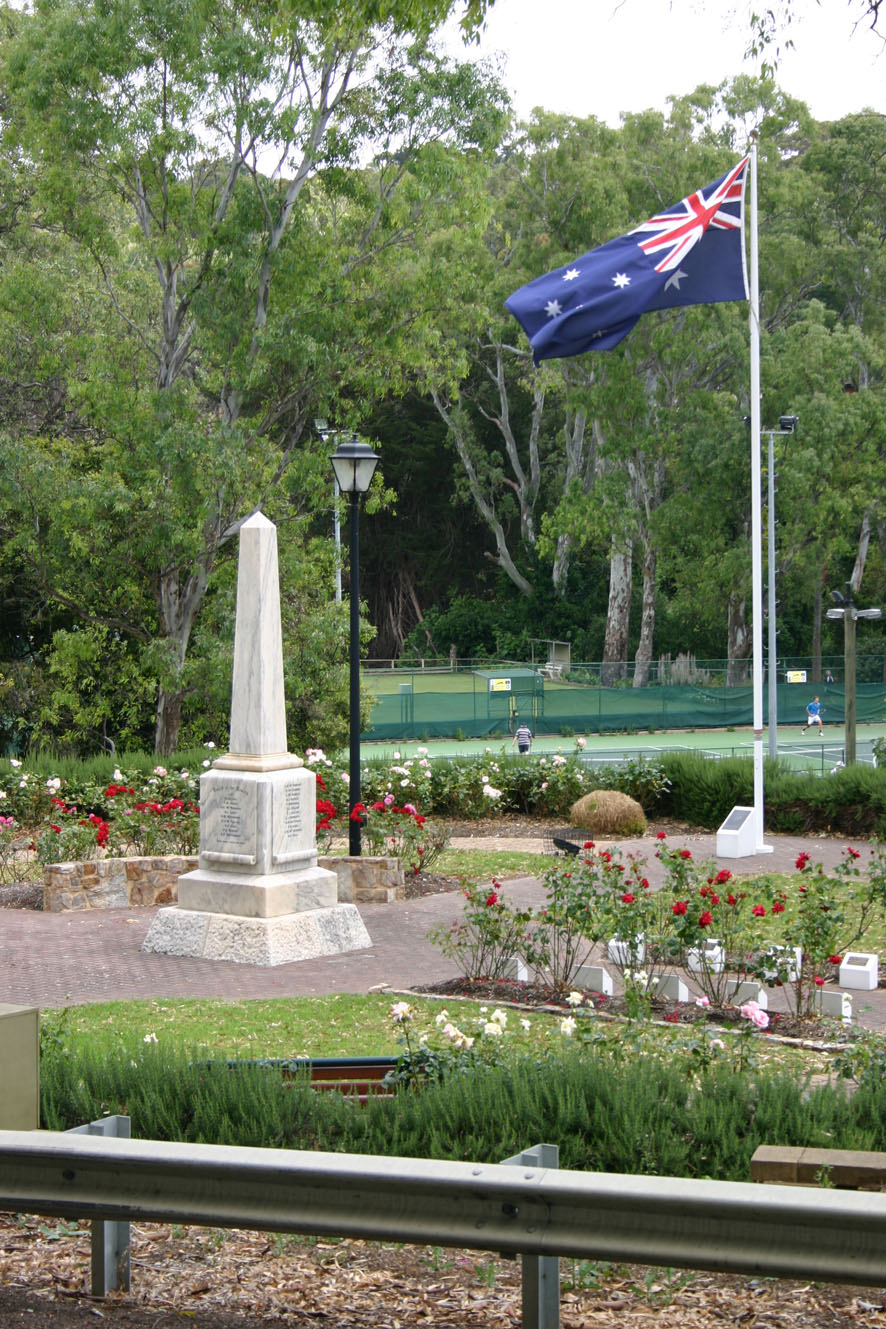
(488, 937)
(640, 1113)
(399, 832)
(701, 791)
(825, 915)
(851, 801)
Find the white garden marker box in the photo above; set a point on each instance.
(860, 970)
(736, 838)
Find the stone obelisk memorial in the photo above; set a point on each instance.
(258, 896)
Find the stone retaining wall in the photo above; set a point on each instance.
(118, 883)
(367, 880)
(113, 883)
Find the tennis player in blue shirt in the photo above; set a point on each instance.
(813, 712)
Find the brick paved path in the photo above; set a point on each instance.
(53, 960)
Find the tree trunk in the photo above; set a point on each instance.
(618, 616)
(739, 641)
(168, 721)
(176, 612)
(486, 506)
(581, 465)
(643, 658)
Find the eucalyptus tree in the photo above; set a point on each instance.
(576, 454)
(236, 177)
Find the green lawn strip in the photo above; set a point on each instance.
(340, 1025)
(476, 865)
(348, 1025)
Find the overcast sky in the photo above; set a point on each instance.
(601, 57)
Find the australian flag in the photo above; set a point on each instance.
(691, 254)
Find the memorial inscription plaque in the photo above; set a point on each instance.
(230, 823)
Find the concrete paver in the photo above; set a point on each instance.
(54, 960)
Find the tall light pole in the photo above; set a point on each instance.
(354, 465)
(850, 614)
(325, 432)
(787, 424)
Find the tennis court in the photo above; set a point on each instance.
(813, 754)
(486, 704)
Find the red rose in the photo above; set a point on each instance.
(802, 860)
(819, 982)
(685, 853)
(759, 911)
(680, 907)
(731, 899)
(778, 907)
(705, 920)
(722, 877)
(662, 835)
(627, 898)
(491, 899)
(835, 959)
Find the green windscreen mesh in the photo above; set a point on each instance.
(489, 702)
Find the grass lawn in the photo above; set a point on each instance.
(342, 1025)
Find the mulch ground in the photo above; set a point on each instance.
(247, 1280)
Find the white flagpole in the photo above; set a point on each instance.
(756, 512)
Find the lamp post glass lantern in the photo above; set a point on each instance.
(354, 465)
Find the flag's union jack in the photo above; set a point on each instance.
(678, 231)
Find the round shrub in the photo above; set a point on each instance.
(608, 812)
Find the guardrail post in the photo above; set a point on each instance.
(541, 1273)
(110, 1241)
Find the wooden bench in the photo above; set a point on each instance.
(844, 1169)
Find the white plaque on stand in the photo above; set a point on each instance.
(736, 838)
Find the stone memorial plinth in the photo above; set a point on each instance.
(258, 895)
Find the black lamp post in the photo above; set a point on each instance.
(354, 464)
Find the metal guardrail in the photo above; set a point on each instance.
(731, 1227)
(110, 1242)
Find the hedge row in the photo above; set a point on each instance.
(851, 801)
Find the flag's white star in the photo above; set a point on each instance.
(621, 280)
(571, 274)
(553, 308)
(674, 279)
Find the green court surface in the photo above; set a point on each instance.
(808, 752)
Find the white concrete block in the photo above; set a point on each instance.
(837, 1005)
(777, 954)
(860, 970)
(594, 978)
(670, 988)
(621, 953)
(517, 970)
(738, 991)
(714, 958)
